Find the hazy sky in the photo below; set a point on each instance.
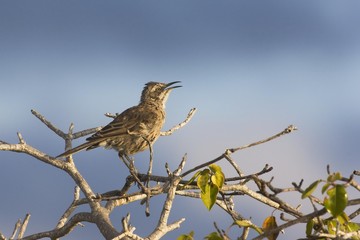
(250, 67)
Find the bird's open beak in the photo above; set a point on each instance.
(169, 85)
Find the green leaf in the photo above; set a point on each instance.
(218, 176)
(203, 179)
(247, 223)
(186, 236)
(352, 227)
(333, 177)
(213, 236)
(338, 176)
(309, 227)
(336, 203)
(215, 168)
(310, 189)
(218, 179)
(332, 226)
(325, 187)
(243, 223)
(343, 218)
(209, 195)
(193, 178)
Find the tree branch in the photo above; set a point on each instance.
(66, 229)
(180, 125)
(287, 130)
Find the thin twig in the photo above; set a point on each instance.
(162, 227)
(234, 164)
(86, 132)
(48, 124)
(180, 125)
(66, 229)
(266, 169)
(21, 139)
(232, 150)
(354, 214)
(181, 165)
(111, 115)
(287, 130)
(24, 226)
(24, 148)
(16, 228)
(128, 230)
(60, 133)
(203, 165)
(70, 209)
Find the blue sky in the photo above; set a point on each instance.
(250, 67)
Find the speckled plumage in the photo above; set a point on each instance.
(131, 130)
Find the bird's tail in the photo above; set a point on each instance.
(76, 149)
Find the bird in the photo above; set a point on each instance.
(134, 129)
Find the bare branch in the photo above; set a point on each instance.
(70, 210)
(86, 132)
(111, 115)
(16, 228)
(24, 226)
(21, 139)
(181, 165)
(128, 230)
(287, 130)
(180, 125)
(171, 184)
(102, 217)
(203, 165)
(66, 229)
(27, 149)
(266, 169)
(234, 164)
(162, 227)
(354, 214)
(126, 224)
(61, 133)
(48, 124)
(125, 200)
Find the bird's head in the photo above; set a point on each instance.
(158, 93)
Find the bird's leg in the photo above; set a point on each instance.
(150, 148)
(133, 171)
(130, 165)
(151, 155)
(147, 182)
(126, 159)
(145, 186)
(150, 162)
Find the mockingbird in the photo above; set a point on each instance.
(136, 128)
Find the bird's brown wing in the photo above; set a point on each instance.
(119, 126)
(133, 121)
